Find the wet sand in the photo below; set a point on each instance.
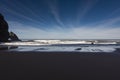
(59, 65)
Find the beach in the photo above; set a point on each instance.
(59, 65)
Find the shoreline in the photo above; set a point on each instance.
(117, 51)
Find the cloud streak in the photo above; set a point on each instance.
(55, 11)
(74, 33)
(20, 12)
(86, 8)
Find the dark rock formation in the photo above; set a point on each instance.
(78, 49)
(13, 37)
(4, 34)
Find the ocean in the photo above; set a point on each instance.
(62, 45)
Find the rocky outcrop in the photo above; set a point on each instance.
(4, 34)
(13, 37)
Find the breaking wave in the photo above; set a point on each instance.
(64, 45)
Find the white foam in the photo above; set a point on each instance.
(46, 45)
(67, 49)
(105, 43)
(98, 49)
(24, 44)
(50, 42)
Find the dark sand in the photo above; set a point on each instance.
(59, 65)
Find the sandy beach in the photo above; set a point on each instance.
(59, 65)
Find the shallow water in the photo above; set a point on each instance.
(62, 45)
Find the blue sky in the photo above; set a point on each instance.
(63, 19)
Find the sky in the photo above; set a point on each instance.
(63, 19)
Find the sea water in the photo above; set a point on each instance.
(63, 45)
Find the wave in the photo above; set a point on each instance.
(63, 45)
(60, 42)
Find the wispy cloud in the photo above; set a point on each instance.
(25, 32)
(113, 13)
(55, 11)
(97, 33)
(85, 8)
(19, 10)
(110, 22)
